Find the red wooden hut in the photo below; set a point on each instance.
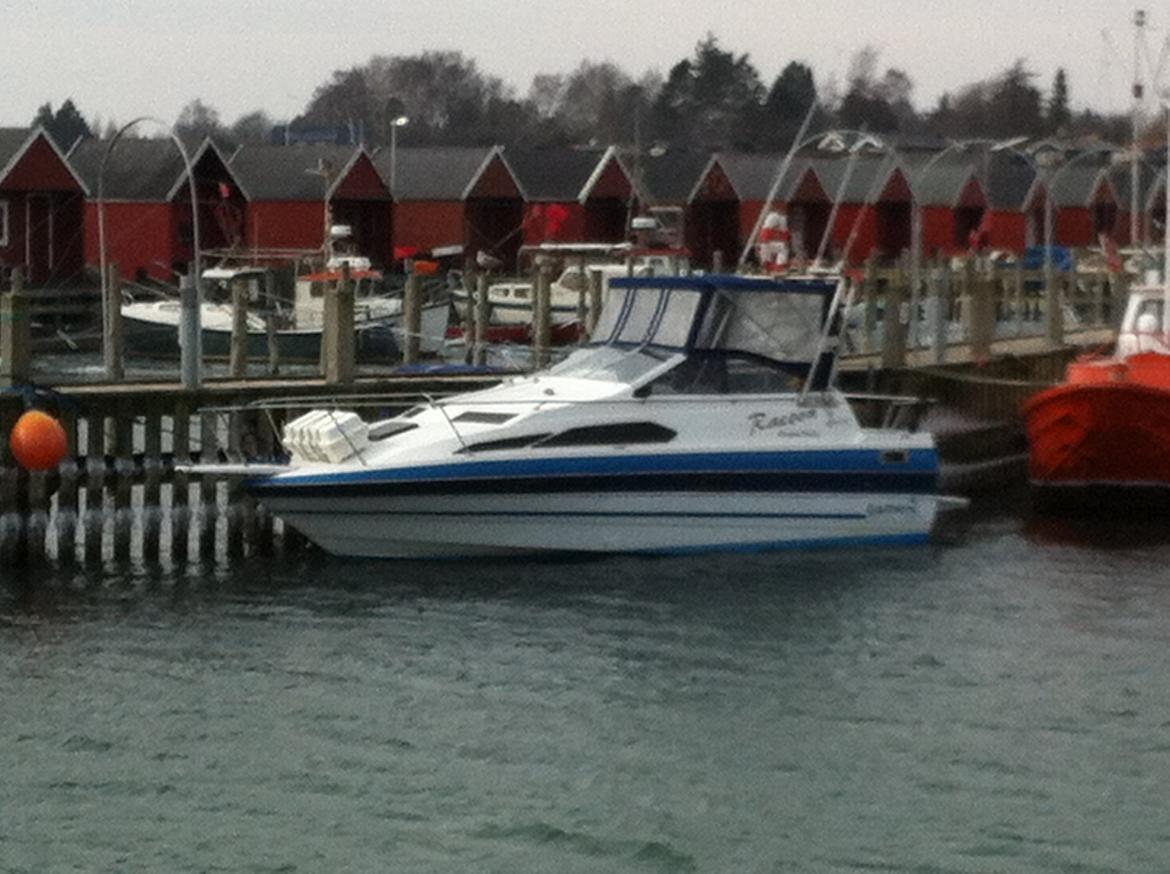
(1016, 196)
(874, 204)
(698, 185)
(41, 208)
(800, 196)
(951, 199)
(457, 197)
(146, 202)
(297, 193)
(573, 195)
(1085, 204)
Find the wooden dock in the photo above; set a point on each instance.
(118, 496)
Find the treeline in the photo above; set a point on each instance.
(713, 100)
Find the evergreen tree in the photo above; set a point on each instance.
(1058, 115)
(66, 126)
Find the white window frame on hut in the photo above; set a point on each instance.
(3, 222)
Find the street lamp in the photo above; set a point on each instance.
(395, 124)
(191, 359)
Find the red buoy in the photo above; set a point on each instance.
(38, 441)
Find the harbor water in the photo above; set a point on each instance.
(997, 701)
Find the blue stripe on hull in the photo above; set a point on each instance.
(848, 461)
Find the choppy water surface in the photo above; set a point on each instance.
(998, 702)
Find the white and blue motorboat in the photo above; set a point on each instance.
(702, 416)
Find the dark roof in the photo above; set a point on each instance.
(753, 175)
(12, 140)
(558, 174)
(1121, 177)
(869, 175)
(1010, 179)
(296, 172)
(145, 170)
(939, 179)
(671, 177)
(433, 173)
(1075, 184)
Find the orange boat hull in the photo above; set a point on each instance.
(1106, 429)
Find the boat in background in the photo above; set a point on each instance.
(703, 415)
(1102, 437)
(152, 326)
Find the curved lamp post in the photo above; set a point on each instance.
(191, 359)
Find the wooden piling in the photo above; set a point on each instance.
(15, 342)
(482, 314)
(542, 316)
(596, 282)
(270, 325)
(894, 323)
(337, 336)
(981, 312)
(411, 318)
(208, 512)
(238, 358)
(123, 452)
(113, 346)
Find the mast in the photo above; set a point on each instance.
(1139, 23)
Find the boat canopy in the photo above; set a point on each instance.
(779, 319)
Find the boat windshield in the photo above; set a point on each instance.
(757, 317)
(648, 316)
(611, 363)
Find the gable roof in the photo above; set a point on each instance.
(868, 177)
(674, 176)
(1011, 182)
(302, 171)
(16, 141)
(753, 175)
(137, 169)
(560, 174)
(438, 172)
(940, 179)
(1076, 185)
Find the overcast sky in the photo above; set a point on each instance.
(122, 58)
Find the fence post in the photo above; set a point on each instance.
(15, 355)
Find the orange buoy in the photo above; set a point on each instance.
(38, 441)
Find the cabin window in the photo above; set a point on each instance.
(3, 222)
(481, 417)
(504, 443)
(520, 293)
(384, 430)
(717, 373)
(618, 434)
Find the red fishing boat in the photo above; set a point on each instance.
(1102, 437)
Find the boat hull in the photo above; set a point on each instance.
(1100, 438)
(617, 504)
(502, 524)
